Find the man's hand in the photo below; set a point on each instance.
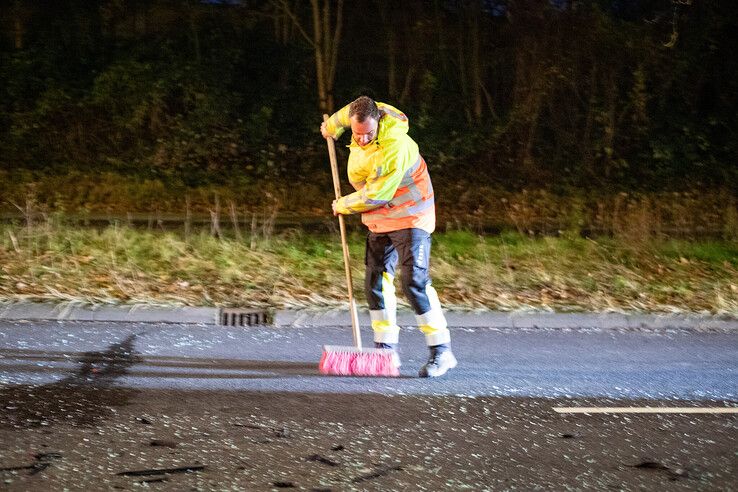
(333, 206)
(324, 130)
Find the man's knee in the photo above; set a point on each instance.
(414, 282)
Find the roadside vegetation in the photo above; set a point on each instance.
(582, 153)
(58, 260)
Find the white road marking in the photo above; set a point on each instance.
(645, 409)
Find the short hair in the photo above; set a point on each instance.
(364, 107)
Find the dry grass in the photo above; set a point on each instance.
(513, 272)
(118, 264)
(633, 216)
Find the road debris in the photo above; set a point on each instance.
(673, 473)
(43, 461)
(163, 443)
(161, 471)
(321, 459)
(379, 472)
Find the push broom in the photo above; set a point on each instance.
(356, 360)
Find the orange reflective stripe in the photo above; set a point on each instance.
(413, 205)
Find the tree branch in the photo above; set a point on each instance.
(284, 6)
(334, 44)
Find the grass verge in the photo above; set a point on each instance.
(511, 271)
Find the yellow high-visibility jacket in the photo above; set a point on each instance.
(394, 189)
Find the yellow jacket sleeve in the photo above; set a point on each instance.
(338, 122)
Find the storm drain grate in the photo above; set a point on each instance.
(243, 317)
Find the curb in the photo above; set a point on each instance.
(525, 320)
(144, 313)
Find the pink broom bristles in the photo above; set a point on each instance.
(350, 361)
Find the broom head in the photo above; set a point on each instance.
(350, 361)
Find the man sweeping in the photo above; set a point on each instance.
(394, 196)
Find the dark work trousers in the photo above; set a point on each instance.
(412, 248)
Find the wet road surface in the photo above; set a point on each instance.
(91, 406)
(535, 363)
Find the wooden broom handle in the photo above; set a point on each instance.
(344, 243)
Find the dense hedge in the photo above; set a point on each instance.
(559, 95)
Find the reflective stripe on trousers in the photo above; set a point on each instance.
(384, 321)
(412, 248)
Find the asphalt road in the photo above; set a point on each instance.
(660, 365)
(101, 406)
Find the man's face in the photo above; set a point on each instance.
(364, 132)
